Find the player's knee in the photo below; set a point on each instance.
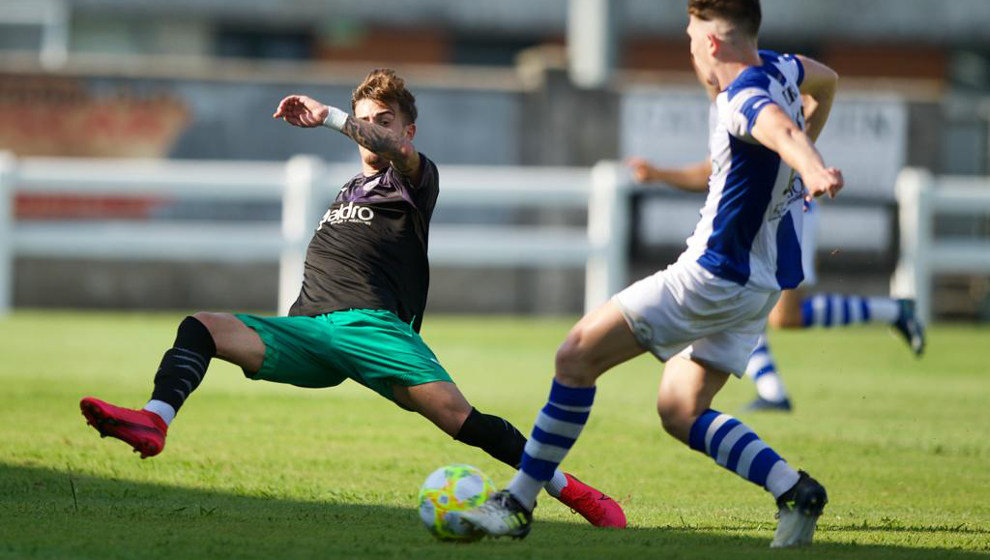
(667, 415)
(674, 418)
(775, 321)
(453, 416)
(786, 314)
(219, 324)
(574, 361)
(211, 321)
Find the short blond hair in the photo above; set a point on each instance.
(384, 86)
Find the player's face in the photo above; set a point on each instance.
(701, 57)
(382, 114)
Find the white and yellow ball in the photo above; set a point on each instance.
(449, 489)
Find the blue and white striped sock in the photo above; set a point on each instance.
(762, 370)
(737, 448)
(558, 426)
(832, 310)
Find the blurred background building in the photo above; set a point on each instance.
(198, 79)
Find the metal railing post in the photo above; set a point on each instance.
(608, 234)
(302, 174)
(7, 171)
(913, 275)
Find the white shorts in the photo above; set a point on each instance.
(686, 310)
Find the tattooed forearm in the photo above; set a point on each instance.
(378, 139)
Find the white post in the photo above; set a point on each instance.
(55, 35)
(7, 170)
(608, 234)
(301, 176)
(913, 276)
(592, 36)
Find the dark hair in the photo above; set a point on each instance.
(384, 86)
(744, 14)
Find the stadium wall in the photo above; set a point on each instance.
(534, 117)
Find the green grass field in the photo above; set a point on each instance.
(255, 470)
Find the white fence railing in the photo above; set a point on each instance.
(305, 186)
(921, 198)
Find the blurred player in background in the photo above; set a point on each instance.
(359, 312)
(797, 310)
(704, 314)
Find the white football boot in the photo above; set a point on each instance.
(501, 516)
(798, 510)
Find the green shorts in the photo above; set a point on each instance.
(373, 347)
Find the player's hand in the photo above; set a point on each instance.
(826, 181)
(299, 110)
(641, 169)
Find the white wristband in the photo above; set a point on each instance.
(335, 118)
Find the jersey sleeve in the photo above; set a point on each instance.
(428, 190)
(424, 193)
(793, 65)
(743, 106)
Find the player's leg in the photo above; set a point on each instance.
(762, 370)
(443, 404)
(599, 341)
(762, 367)
(388, 356)
(831, 310)
(199, 339)
(684, 404)
(787, 313)
(838, 310)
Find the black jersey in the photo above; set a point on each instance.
(369, 251)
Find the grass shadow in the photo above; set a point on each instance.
(48, 513)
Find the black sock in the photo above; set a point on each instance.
(494, 435)
(184, 365)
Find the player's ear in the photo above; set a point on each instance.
(410, 131)
(714, 44)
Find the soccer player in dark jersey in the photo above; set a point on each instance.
(359, 312)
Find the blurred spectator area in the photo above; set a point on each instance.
(42, 114)
(902, 38)
(145, 78)
(198, 79)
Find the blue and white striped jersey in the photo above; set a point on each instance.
(750, 227)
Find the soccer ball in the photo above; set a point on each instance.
(448, 489)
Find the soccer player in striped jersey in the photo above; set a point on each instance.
(360, 308)
(704, 314)
(796, 309)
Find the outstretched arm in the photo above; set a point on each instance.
(818, 91)
(693, 178)
(299, 110)
(775, 130)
